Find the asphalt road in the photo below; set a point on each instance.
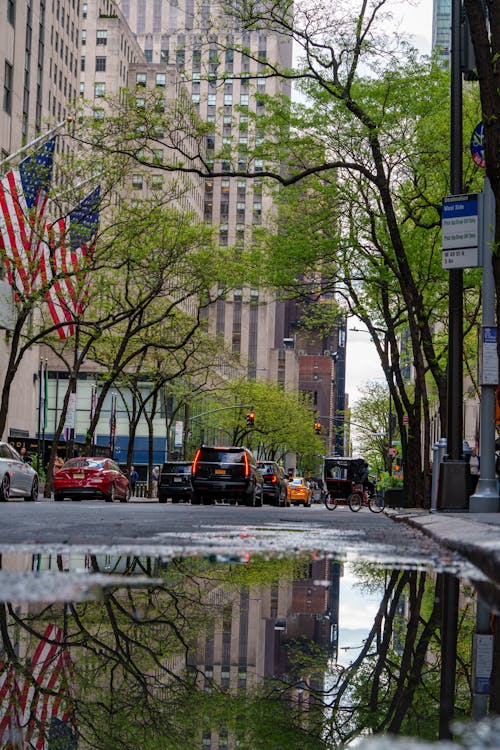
(150, 528)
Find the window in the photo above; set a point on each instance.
(137, 181)
(100, 64)
(211, 99)
(157, 182)
(11, 11)
(84, 37)
(140, 101)
(140, 79)
(7, 88)
(82, 88)
(148, 54)
(102, 36)
(84, 10)
(98, 114)
(99, 89)
(244, 100)
(228, 99)
(158, 155)
(161, 79)
(195, 98)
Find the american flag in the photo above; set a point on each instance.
(36, 707)
(23, 205)
(64, 267)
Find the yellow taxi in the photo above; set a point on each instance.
(298, 492)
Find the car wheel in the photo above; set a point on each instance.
(34, 492)
(162, 499)
(126, 497)
(5, 488)
(58, 497)
(195, 498)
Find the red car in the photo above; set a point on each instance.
(84, 477)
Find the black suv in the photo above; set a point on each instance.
(275, 482)
(226, 474)
(175, 482)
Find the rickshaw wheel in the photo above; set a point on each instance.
(330, 502)
(355, 502)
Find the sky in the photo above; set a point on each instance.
(362, 363)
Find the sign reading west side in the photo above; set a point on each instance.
(460, 231)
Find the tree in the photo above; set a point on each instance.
(283, 421)
(370, 419)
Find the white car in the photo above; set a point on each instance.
(17, 478)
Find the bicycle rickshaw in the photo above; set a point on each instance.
(346, 482)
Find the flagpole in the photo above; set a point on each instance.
(40, 385)
(45, 410)
(37, 140)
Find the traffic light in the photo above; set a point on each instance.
(317, 428)
(250, 419)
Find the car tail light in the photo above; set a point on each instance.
(195, 462)
(247, 467)
(274, 478)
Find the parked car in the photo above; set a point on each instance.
(175, 482)
(226, 473)
(275, 482)
(299, 493)
(17, 477)
(92, 477)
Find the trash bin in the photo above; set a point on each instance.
(394, 497)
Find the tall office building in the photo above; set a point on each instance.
(206, 49)
(441, 29)
(39, 44)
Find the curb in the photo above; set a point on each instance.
(477, 542)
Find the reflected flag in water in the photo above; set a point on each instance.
(23, 205)
(66, 262)
(36, 709)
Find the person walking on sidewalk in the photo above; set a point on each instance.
(134, 478)
(156, 479)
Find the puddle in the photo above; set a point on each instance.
(237, 651)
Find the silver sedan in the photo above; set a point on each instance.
(17, 478)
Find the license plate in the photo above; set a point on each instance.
(177, 479)
(78, 476)
(220, 471)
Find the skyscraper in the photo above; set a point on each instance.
(223, 79)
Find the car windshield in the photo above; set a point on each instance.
(297, 482)
(267, 468)
(84, 463)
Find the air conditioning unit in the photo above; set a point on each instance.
(326, 353)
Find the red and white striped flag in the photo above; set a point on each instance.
(23, 206)
(30, 706)
(65, 265)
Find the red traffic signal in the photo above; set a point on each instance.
(317, 427)
(250, 419)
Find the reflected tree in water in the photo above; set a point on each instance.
(139, 661)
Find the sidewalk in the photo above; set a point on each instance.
(476, 536)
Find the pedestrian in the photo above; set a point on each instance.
(25, 457)
(134, 477)
(58, 463)
(156, 477)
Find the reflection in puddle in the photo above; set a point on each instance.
(256, 654)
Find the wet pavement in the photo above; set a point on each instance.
(288, 630)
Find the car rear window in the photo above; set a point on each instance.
(221, 456)
(176, 468)
(84, 463)
(268, 468)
